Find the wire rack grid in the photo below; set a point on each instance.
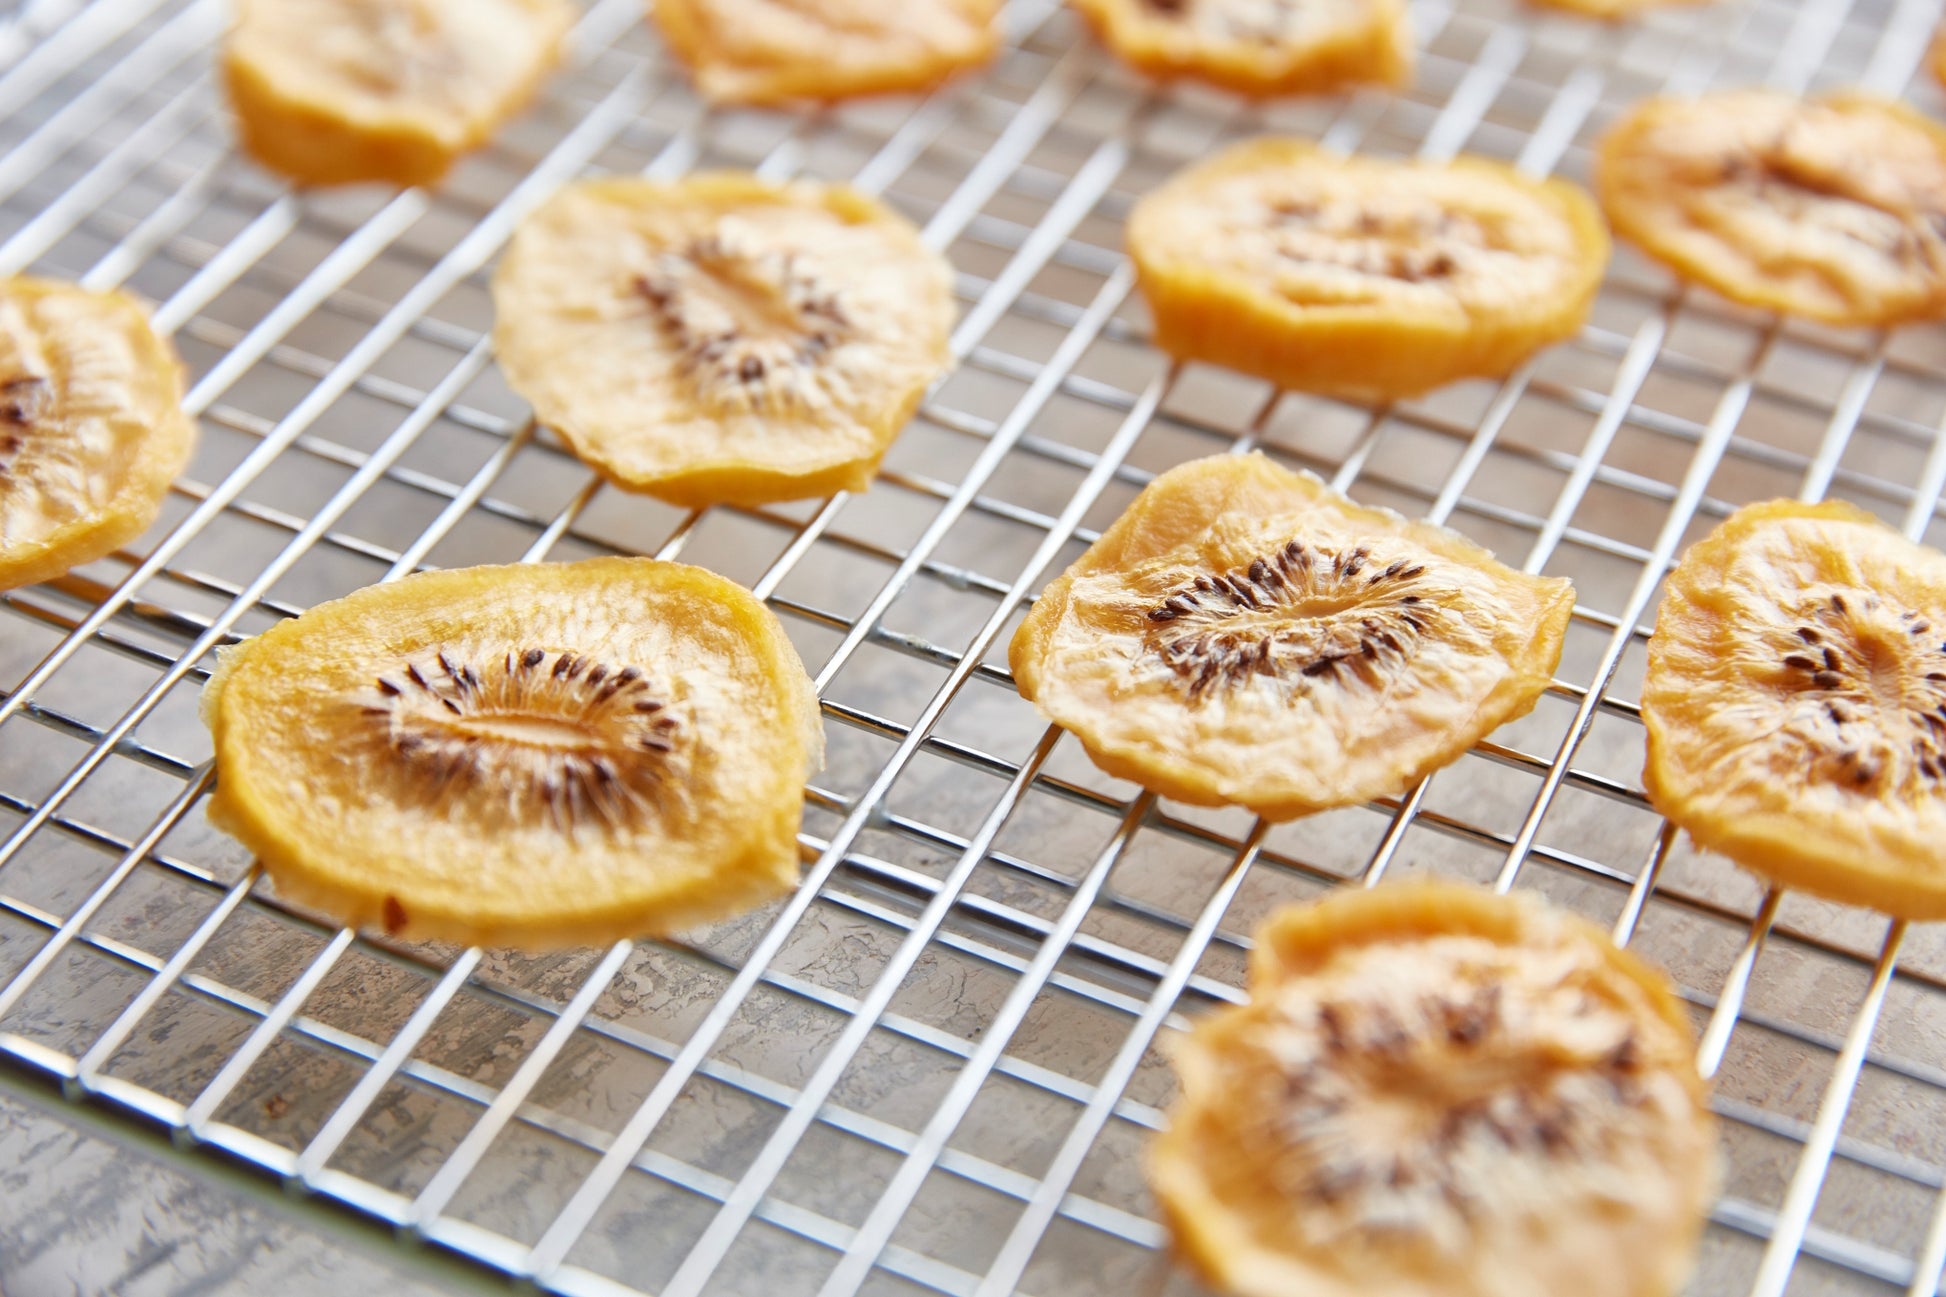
(934, 1068)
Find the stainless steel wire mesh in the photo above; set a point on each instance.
(934, 1068)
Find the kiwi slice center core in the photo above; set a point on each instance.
(1296, 614)
(24, 402)
(24, 399)
(752, 322)
(1407, 240)
(534, 731)
(565, 736)
(1879, 673)
(42, 465)
(1268, 21)
(1403, 1107)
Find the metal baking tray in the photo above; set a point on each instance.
(935, 1068)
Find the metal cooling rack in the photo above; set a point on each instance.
(932, 1069)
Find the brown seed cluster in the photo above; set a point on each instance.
(1296, 618)
(1266, 22)
(753, 326)
(1406, 241)
(1777, 176)
(558, 733)
(1882, 682)
(43, 471)
(1337, 1139)
(24, 401)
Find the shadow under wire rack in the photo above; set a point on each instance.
(933, 1069)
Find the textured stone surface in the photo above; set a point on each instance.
(81, 1214)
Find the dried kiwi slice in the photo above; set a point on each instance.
(1362, 276)
(1260, 47)
(1796, 704)
(722, 339)
(1435, 1090)
(1244, 634)
(336, 91)
(776, 51)
(534, 755)
(1833, 208)
(92, 429)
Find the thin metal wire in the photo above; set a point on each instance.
(710, 1249)
(574, 1218)
(68, 32)
(465, 258)
(372, 1080)
(1794, 1217)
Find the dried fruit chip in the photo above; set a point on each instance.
(1360, 276)
(1796, 704)
(534, 755)
(91, 426)
(1244, 634)
(1260, 47)
(1435, 1090)
(775, 51)
(1833, 209)
(337, 91)
(1614, 10)
(722, 338)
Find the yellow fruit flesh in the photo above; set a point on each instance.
(91, 426)
(1834, 209)
(1438, 1092)
(776, 51)
(1614, 10)
(537, 755)
(1332, 653)
(1260, 47)
(1793, 702)
(722, 339)
(339, 91)
(1363, 277)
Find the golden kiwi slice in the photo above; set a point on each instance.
(336, 91)
(721, 338)
(1438, 1091)
(1796, 704)
(1832, 208)
(1244, 634)
(776, 51)
(92, 429)
(535, 755)
(1260, 47)
(1362, 276)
